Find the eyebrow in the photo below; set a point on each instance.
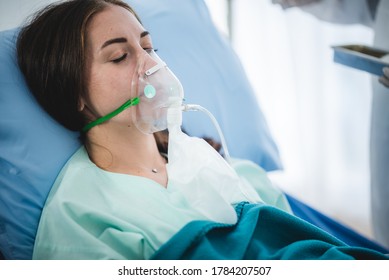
(121, 40)
(113, 41)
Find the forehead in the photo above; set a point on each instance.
(113, 21)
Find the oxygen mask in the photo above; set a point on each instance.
(158, 90)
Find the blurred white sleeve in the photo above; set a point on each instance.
(285, 4)
(384, 79)
(335, 11)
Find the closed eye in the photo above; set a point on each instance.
(117, 60)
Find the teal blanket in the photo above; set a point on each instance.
(262, 232)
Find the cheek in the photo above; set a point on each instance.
(107, 90)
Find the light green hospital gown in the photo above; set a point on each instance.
(94, 214)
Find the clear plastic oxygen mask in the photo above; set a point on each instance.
(196, 171)
(158, 90)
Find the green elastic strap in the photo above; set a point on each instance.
(129, 103)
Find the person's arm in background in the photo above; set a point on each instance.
(335, 11)
(285, 4)
(340, 12)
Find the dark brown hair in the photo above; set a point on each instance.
(51, 55)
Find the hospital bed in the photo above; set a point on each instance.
(33, 147)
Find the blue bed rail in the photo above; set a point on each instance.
(338, 230)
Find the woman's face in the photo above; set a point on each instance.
(115, 41)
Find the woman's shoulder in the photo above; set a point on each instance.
(73, 175)
(76, 168)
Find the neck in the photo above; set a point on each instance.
(125, 150)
